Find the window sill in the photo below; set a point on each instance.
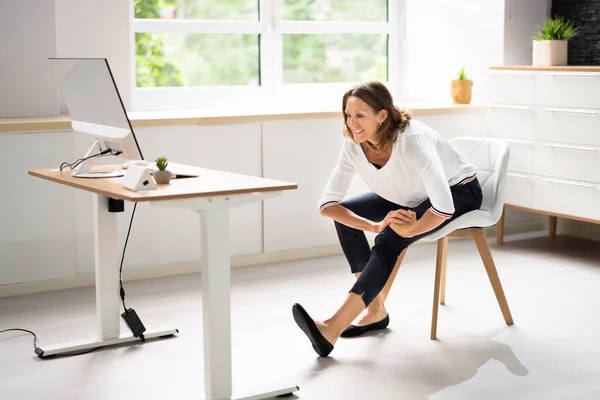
(200, 117)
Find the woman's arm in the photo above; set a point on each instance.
(344, 216)
(426, 163)
(426, 223)
(339, 180)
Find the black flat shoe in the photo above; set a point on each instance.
(308, 326)
(354, 330)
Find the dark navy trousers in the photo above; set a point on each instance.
(376, 264)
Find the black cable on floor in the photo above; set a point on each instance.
(129, 315)
(39, 351)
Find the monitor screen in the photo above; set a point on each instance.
(92, 97)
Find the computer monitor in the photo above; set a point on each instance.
(96, 108)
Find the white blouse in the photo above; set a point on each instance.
(423, 165)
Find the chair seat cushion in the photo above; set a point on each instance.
(472, 219)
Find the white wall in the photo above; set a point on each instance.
(443, 36)
(90, 28)
(36, 239)
(27, 29)
(34, 30)
(522, 16)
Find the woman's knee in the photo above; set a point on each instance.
(387, 238)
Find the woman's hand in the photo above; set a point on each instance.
(404, 230)
(426, 223)
(396, 217)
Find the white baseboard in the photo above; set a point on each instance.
(245, 260)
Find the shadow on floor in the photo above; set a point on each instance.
(418, 373)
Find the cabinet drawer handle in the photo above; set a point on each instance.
(572, 74)
(515, 175)
(568, 183)
(560, 146)
(515, 141)
(568, 111)
(509, 72)
(523, 108)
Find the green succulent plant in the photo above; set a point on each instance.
(162, 163)
(462, 75)
(556, 29)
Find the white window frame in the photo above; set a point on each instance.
(272, 92)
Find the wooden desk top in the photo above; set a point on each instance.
(209, 183)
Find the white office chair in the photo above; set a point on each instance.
(491, 158)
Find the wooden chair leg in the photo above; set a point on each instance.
(390, 281)
(490, 267)
(443, 257)
(440, 260)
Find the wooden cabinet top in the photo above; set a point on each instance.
(567, 68)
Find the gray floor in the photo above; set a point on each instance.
(552, 351)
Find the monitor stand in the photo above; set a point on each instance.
(84, 170)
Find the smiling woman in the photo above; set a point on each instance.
(419, 184)
(375, 121)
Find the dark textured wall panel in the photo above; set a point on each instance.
(585, 49)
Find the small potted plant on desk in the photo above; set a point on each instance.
(162, 176)
(461, 89)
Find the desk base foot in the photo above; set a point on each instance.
(283, 393)
(89, 344)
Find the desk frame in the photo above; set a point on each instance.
(213, 209)
(106, 265)
(216, 289)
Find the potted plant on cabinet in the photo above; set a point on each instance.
(550, 41)
(461, 88)
(163, 175)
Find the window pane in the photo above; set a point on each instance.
(181, 59)
(334, 58)
(335, 10)
(197, 9)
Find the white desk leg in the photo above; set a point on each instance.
(216, 292)
(216, 307)
(108, 300)
(107, 276)
(216, 302)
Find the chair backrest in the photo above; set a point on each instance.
(490, 156)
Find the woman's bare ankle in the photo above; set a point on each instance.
(376, 306)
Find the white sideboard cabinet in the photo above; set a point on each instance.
(550, 117)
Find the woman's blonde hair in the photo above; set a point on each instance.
(378, 97)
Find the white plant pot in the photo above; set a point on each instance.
(550, 52)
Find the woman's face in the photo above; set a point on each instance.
(362, 120)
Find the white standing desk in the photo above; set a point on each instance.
(211, 195)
